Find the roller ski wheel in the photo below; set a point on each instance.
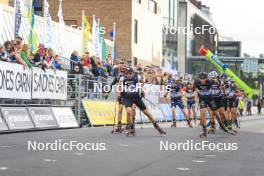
(231, 129)
(131, 132)
(119, 129)
(203, 135)
(189, 124)
(173, 125)
(226, 130)
(160, 130)
(211, 131)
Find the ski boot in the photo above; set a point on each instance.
(212, 129)
(118, 129)
(225, 129)
(204, 133)
(131, 131)
(189, 124)
(173, 124)
(160, 130)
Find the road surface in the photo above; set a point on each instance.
(134, 156)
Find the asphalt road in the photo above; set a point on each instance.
(134, 156)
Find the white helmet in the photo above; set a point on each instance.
(212, 75)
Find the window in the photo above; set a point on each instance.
(152, 6)
(135, 60)
(138, 1)
(135, 31)
(38, 7)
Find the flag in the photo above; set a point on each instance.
(48, 39)
(61, 29)
(103, 45)
(17, 7)
(86, 29)
(32, 39)
(113, 36)
(96, 42)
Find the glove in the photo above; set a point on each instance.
(142, 95)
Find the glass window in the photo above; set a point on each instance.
(135, 31)
(152, 6)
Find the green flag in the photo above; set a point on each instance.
(103, 45)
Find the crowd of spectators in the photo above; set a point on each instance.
(95, 68)
(16, 51)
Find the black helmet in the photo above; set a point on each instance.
(203, 75)
(130, 70)
(223, 76)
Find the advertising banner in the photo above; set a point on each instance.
(3, 126)
(49, 84)
(17, 118)
(64, 117)
(42, 117)
(102, 112)
(15, 81)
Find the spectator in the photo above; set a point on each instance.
(108, 66)
(241, 106)
(249, 107)
(57, 64)
(76, 69)
(7, 46)
(25, 55)
(40, 55)
(3, 56)
(13, 55)
(86, 60)
(74, 59)
(259, 104)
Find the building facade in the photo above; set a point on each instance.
(138, 25)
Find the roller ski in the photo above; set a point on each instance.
(131, 132)
(212, 129)
(173, 125)
(204, 133)
(226, 130)
(189, 124)
(119, 129)
(160, 130)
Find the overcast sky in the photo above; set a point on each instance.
(241, 20)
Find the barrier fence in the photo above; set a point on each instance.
(36, 118)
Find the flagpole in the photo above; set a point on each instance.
(93, 35)
(83, 32)
(98, 25)
(114, 35)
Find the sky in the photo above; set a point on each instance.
(241, 20)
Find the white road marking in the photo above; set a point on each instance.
(50, 160)
(79, 154)
(183, 168)
(210, 155)
(199, 161)
(4, 168)
(6, 146)
(125, 145)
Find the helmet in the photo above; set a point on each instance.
(213, 75)
(130, 70)
(203, 75)
(223, 76)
